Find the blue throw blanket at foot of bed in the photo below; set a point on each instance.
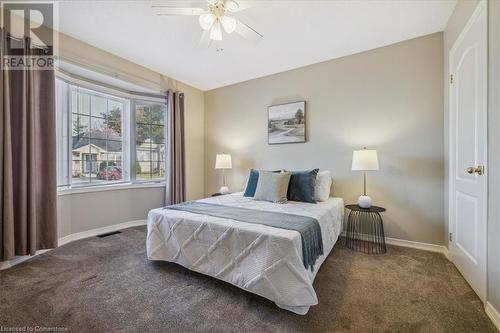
(308, 227)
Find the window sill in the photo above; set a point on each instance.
(111, 187)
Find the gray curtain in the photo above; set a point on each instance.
(176, 172)
(27, 156)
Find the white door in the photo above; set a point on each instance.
(468, 151)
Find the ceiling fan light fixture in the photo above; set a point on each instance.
(228, 23)
(216, 31)
(212, 2)
(231, 5)
(206, 20)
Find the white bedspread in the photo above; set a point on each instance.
(264, 260)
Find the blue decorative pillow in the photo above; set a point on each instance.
(253, 179)
(301, 186)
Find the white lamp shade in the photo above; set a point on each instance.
(223, 161)
(364, 160)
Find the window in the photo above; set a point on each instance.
(150, 141)
(106, 138)
(96, 137)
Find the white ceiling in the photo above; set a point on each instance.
(296, 33)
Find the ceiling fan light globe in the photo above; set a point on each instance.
(231, 5)
(216, 31)
(206, 20)
(228, 23)
(212, 2)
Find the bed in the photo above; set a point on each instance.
(260, 259)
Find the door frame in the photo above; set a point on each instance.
(482, 5)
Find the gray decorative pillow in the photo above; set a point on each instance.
(272, 186)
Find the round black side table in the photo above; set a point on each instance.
(365, 230)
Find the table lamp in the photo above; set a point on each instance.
(223, 161)
(364, 160)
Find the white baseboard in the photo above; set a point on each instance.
(493, 314)
(415, 245)
(73, 237)
(19, 259)
(446, 253)
(94, 232)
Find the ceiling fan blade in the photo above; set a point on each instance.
(248, 32)
(171, 11)
(205, 40)
(245, 4)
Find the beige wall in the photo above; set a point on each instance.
(84, 211)
(195, 141)
(390, 99)
(79, 212)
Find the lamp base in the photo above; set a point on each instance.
(224, 190)
(364, 201)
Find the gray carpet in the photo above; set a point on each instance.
(108, 285)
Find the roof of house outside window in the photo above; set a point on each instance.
(106, 140)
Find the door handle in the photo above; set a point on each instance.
(478, 169)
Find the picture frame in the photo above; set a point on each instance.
(286, 123)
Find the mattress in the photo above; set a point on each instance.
(263, 260)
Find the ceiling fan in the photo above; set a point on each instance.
(213, 20)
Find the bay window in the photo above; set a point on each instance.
(108, 137)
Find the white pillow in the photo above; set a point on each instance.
(322, 186)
